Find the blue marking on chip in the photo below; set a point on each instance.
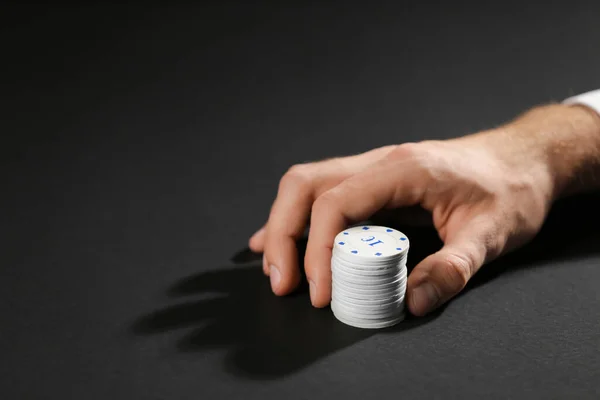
(345, 233)
(403, 238)
(377, 254)
(398, 248)
(342, 243)
(388, 230)
(365, 228)
(354, 252)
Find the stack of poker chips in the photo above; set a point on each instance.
(368, 271)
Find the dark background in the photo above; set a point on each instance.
(142, 145)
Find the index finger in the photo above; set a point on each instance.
(291, 209)
(389, 183)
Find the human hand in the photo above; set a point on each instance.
(488, 193)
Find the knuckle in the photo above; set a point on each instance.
(418, 155)
(416, 149)
(405, 151)
(350, 186)
(299, 175)
(493, 239)
(325, 201)
(456, 271)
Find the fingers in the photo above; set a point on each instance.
(357, 198)
(444, 274)
(265, 265)
(291, 209)
(257, 245)
(257, 241)
(328, 173)
(287, 222)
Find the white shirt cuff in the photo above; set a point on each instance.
(590, 99)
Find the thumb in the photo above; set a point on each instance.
(442, 275)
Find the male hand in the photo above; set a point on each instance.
(487, 193)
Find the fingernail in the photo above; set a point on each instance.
(313, 290)
(424, 298)
(275, 277)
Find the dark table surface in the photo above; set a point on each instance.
(143, 145)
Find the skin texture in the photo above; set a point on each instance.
(488, 193)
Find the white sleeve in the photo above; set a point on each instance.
(590, 99)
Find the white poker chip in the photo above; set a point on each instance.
(373, 308)
(369, 276)
(372, 302)
(359, 294)
(366, 323)
(373, 291)
(367, 281)
(369, 315)
(368, 295)
(365, 277)
(356, 269)
(372, 243)
(371, 263)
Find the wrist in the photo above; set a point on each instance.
(565, 141)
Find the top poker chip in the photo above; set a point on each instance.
(371, 242)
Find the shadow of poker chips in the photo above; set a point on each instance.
(368, 267)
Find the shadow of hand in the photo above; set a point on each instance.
(265, 336)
